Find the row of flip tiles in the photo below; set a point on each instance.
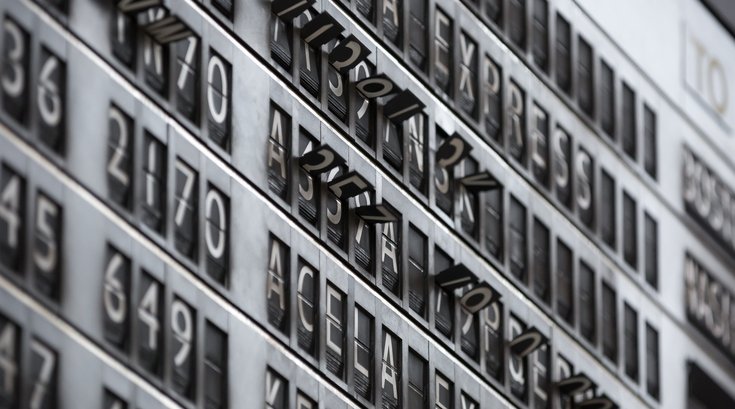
(671, 234)
(598, 292)
(93, 127)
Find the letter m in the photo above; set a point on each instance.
(168, 30)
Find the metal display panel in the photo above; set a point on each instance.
(182, 150)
